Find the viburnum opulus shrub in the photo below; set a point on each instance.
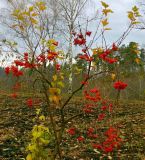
(95, 109)
(91, 128)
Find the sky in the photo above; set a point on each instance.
(118, 20)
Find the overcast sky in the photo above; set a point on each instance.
(118, 20)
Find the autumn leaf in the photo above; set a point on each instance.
(16, 12)
(131, 16)
(135, 9)
(107, 29)
(137, 60)
(106, 11)
(29, 157)
(31, 8)
(113, 76)
(54, 77)
(21, 27)
(38, 111)
(42, 118)
(34, 14)
(41, 6)
(53, 91)
(33, 21)
(136, 22)
(61, 84)
(52, 47)
(105, 22)
(105, 5)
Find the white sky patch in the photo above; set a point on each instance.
(2, 3)
(119, 20)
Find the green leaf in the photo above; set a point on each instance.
(30, 72)
(61, 84)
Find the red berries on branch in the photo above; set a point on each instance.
(120, 85)
(80, 39)
(86, 57)
(104, 56)
(29, 102)
(14, 70)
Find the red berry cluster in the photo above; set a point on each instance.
(111, 142)
(91, 133)
(71, 131)
(29, 103)
(51, 55)
(86, 57)
(14, 70)
(94, 100)
(93, 95)
(104, 55)
(80, 39)
(120, 85)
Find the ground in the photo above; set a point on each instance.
(16, 123)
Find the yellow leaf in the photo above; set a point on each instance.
(29, 157)
(58, 90)
(42, 118)
(38, 111)
(44, 141)
(52, 47)
(137, 14)
(25, 13)
(136, 22)
(105, 5)
(41, 6)
(62, 77)
(33, 21)
(106, 11)
(55, 77)
(97, 50)
(105, 22)
(107, 29)
(32, 148)
(53, 84)
(113, 76)
(53, 91)
(94, 51)
(20, 17)
(131, 16)
(56, 99)
(50, 41)
(34, 14)
(16, 12)
(135, 9)
(36, 134)
(31, 9)
(137, 60)
(136, 51)
(61, 84)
